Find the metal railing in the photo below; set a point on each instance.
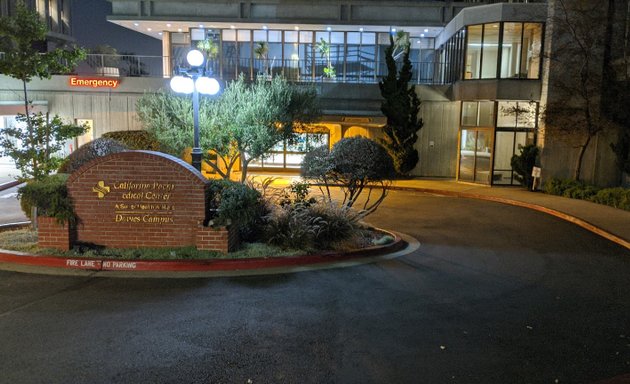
(301, 70)
(316, 70)
(121, 65)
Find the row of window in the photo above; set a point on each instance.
(302, 55)
(510, 114)
(55, 12)
(494, 50)
(485, 51)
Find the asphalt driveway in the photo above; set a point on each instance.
(495, 294)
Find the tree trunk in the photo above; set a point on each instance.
(244, 164)
(29, 127)
(578, 164)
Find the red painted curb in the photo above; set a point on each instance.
(198, 265)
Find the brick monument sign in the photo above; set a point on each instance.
(142, 199)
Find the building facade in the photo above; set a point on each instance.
(56, 14)
(478, 69)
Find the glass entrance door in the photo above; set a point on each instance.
(508, 143)
(475, 155)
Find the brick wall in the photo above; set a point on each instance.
(138, 199)
(216, 239)
(51, 234)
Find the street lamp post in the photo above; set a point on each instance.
(192, 80)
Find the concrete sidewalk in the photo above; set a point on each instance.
(597, 218)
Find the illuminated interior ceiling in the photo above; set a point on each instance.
(155, 28)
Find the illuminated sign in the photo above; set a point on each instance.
(93, 82)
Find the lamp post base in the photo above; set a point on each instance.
(196, 158)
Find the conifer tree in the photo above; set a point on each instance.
(400, 107)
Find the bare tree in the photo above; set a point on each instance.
(577, 81)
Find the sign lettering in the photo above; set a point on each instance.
(93, 82)
(141, 202)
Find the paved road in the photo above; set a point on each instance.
(495, 294)
(10, 211)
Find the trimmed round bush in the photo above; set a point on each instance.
(87, 152)
(50, 196)
(141, 140)
(362, 158)
(316, 163)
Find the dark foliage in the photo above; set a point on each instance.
(235, 204)
(94, 149)
(50, 196)
(401, 107)
(356, 165)
(523, 163)
(142, 140)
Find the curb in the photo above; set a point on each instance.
(216, 265)
(564, 216)
(12, 226)
(10, 184)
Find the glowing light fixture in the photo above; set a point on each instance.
(192, 80)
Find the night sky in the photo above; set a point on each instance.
(91, 28)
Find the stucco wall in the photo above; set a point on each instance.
(110, 109)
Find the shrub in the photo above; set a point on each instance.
(341, 223)
(50, 196)
(307, 226)
(614, 197)
(142, 140)
(583, 192)
(293, 226)
(87, 152)
(558, 186)
(523, 163)
(296, 193)
(228, 202)
(356, 165)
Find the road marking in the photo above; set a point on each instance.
(9, 195)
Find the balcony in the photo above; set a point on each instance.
(306, 71)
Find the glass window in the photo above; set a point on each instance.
(483, 154)
(469, 113)
(354, 38)
(506, 116)
(336, 38)
(322, 35)
(291, 51)
(229, 35)
(467, 154)
(486, 114)
(532, 47)
(490, 54)
(516, 114)
(244, 35)
(507, 144)
(368, 38)
(479, 114)
(275, 36)
(306, 37)
(511, 50)
(260, 35)
(473, 52)
(290, 36)
(504, 150)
